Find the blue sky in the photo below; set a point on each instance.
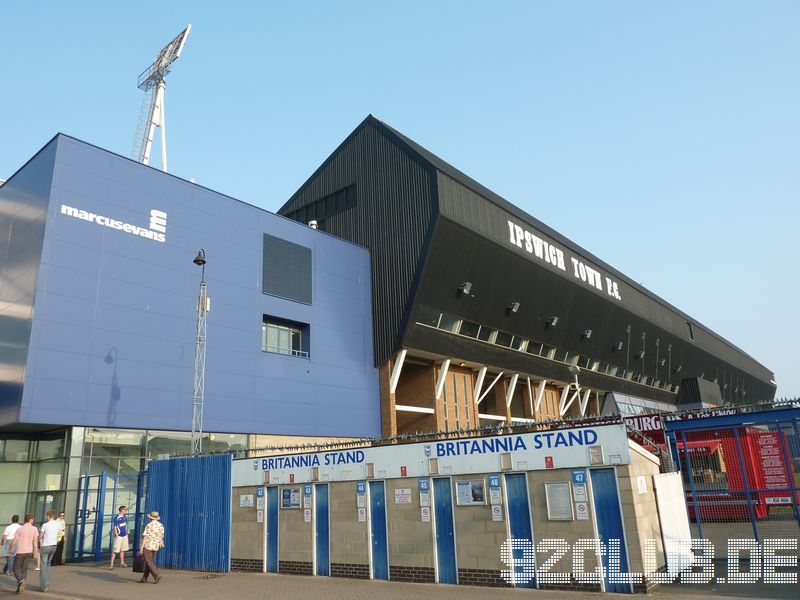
(663, 137)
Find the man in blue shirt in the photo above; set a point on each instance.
(120, 526)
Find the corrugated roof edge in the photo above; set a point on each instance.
(491, 196)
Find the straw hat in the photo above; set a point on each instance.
(154, 516)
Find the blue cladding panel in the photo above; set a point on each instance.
(23, 214)
(609, 522)
(377, 523)
(445, 534)
(272, 530)
(193, 497)
(322, 530)
(112, 337)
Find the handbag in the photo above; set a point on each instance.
(138, 564)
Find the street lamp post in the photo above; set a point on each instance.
(199, 358)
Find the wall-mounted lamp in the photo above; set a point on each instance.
(465, 288)
(617, 346)
(513, 307)
(552, 321)
(679, 368)
(662, 362)
(587, 334)
(640, 355)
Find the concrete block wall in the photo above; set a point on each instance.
(247, 535)
(411, 556)
(640, 512)
(349, 537)
(295, 539)
(478, 542)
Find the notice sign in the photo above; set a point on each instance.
(497, 512)
(362, 514)
(307, 515)
(559, 500)
(426, 514)
(259, 516)
(495, 493)
(582, 511)
(260, 503)
(402, 496)
(290, 497)
(773, 468)
(246, 501)
(470, 492)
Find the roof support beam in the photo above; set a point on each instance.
(572, 398)
(563, 400)
(511, 387)
(442, 377)
(540, 393)
(479, 384)
(398, 366)
(530, 396)
(584, 402)
(491, 385)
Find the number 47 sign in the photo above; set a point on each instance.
(579, 477)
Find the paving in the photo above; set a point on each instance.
(96, 582)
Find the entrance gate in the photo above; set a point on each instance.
(740, 473)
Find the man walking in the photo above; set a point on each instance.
(152, 542)
(8, 538)
(48, 541)
(58, 557)
(120, 525)
(26, 546)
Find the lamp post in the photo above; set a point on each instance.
(199, 358)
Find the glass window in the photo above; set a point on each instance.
(548, 351)
(16, 450)
(449, 323)
(534, 347)
(282, 338)
(47, 475)
(469, 329)
(504, 339)
(519, 343)
(46, 449)
(486, 334)
(15, 477)
(561, 355)
(428, 316)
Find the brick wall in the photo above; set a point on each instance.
(350, 571)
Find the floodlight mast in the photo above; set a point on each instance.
(153, 82)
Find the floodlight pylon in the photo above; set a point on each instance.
(153, 82)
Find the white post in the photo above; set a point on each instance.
(540, 393)
(398, 366)
(511, 387)
(479, 384)
(491, 385)
(442, 377)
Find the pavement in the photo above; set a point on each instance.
(95, 582)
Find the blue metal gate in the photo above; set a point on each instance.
(741, 468)
(272, 530)
(519, 524)
(193, 497)
(445, 532)
(377, 530)
(322, 530)
(609, 524)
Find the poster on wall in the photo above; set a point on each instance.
(246, 501)
(290, 497)
(470, 492)
(559, 501)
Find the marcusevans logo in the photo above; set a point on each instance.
(157, 230)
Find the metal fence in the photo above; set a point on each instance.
(740, 474)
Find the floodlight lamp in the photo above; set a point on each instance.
(465, 288)
(156, 72)
(587, 334)
(640, 355)
(617, 346)
(662, 362)
(679, 368)
(552, 321)
(513, 307)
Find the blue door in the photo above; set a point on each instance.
(321, 531)
(519, 525)
(377, 528)
(609, 523)
(445, 533)
(272, 530)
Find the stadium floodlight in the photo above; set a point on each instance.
(153, 82)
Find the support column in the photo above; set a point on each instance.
(388, 401)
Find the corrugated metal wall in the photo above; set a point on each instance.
(396, 199)
(193, 497)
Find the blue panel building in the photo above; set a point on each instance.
(98, 297)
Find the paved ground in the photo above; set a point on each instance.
(95, 582)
